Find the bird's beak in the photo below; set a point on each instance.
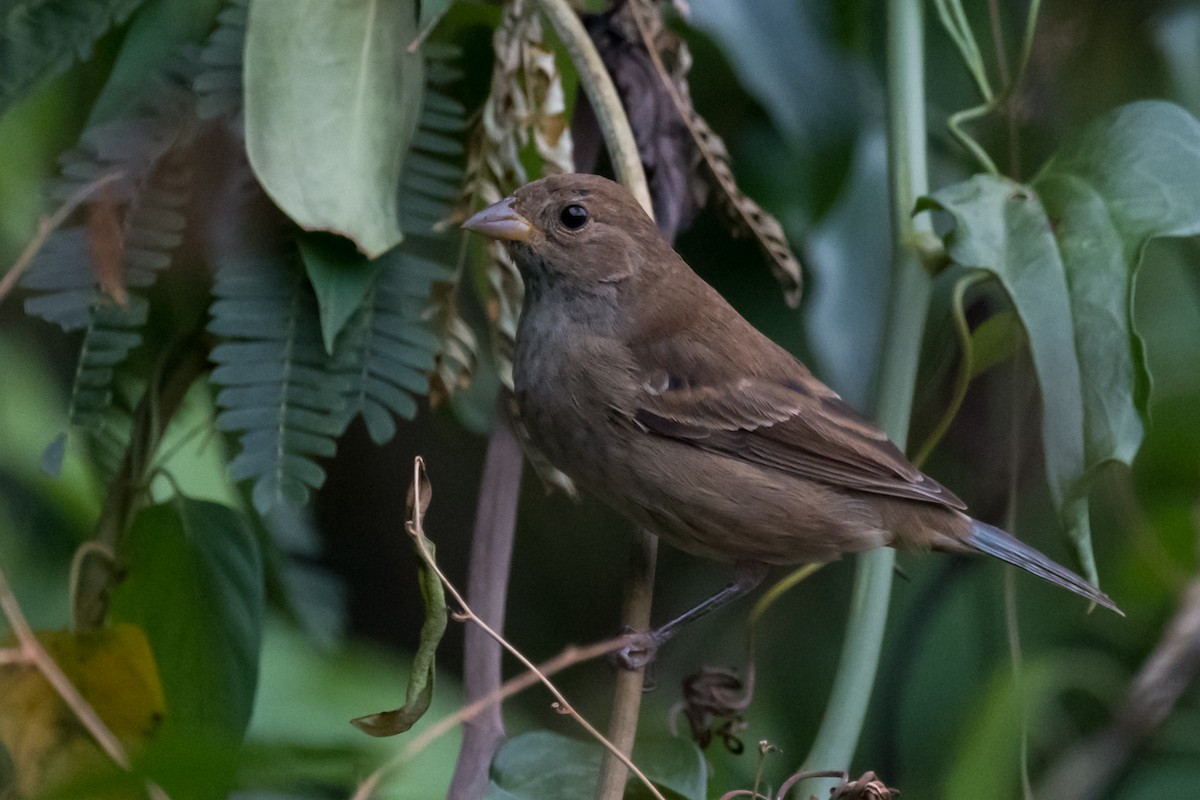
(501, 221)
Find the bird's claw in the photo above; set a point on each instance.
(640, 649)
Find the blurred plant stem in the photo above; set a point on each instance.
(98, 563)
(487, 585)
(837, 736)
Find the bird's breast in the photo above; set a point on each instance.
(571, 385)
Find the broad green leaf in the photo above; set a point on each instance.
(331, 101)
(158, 30)
(541, 764)
(195, 586)
(40, 39)
(340, 276)
(1001, 227)
(1134, 175)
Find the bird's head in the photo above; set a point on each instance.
(583, 230)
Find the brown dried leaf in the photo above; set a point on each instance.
(106, 245)
(868, 786)
(665, 146)
(745, 216)
(457, 357)
(525, 109)
(523, 114)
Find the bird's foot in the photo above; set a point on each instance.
(640, 650)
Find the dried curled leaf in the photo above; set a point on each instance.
(106, 246)
(713, 702)
(524, 115)
(665, 145)
(525, 109)
(745, 216)
(419, 693)
(458, 354)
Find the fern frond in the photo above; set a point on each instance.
(147, 154)
(219, 83)
(432, 176)
(390, 343)
(391, 340)
(40, 39)
(280, 390)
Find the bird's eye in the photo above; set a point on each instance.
(573, 217)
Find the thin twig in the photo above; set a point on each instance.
(416, 531)
(487, 582)
(47, 225)
(627, 694)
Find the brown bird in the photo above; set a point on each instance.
(636, 379)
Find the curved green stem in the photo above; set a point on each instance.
(954, 20)
(842, 724)
(610, 114)
(965, 369)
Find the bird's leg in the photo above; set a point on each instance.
(643, 647)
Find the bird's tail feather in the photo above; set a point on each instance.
(995, 542)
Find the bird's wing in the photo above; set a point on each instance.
(798, 426)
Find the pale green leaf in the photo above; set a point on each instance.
(332, 99)
(1001, 227)
(1134, 175)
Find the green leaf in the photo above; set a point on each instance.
(432, 12)
(1001, 227)
(195, 586)
(331, 101)
(995, 341)
(1134, 175)
(985, 764)
(158, 30)
(40, 39)
(341, 277)
(419, 693)
(542, 764)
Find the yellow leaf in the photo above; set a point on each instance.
(115, 672)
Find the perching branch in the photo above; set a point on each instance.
(416, 530)
(627, 165)
(47, 226)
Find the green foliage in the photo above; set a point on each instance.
(311, 334)
(42, 38)
(333, 172)
(158, 33)
(219, 84)
(541, 765)
(1133, 176)
(312, 355)
(280, 388)
(195, 587)
(146, 155)
(1069, 268)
